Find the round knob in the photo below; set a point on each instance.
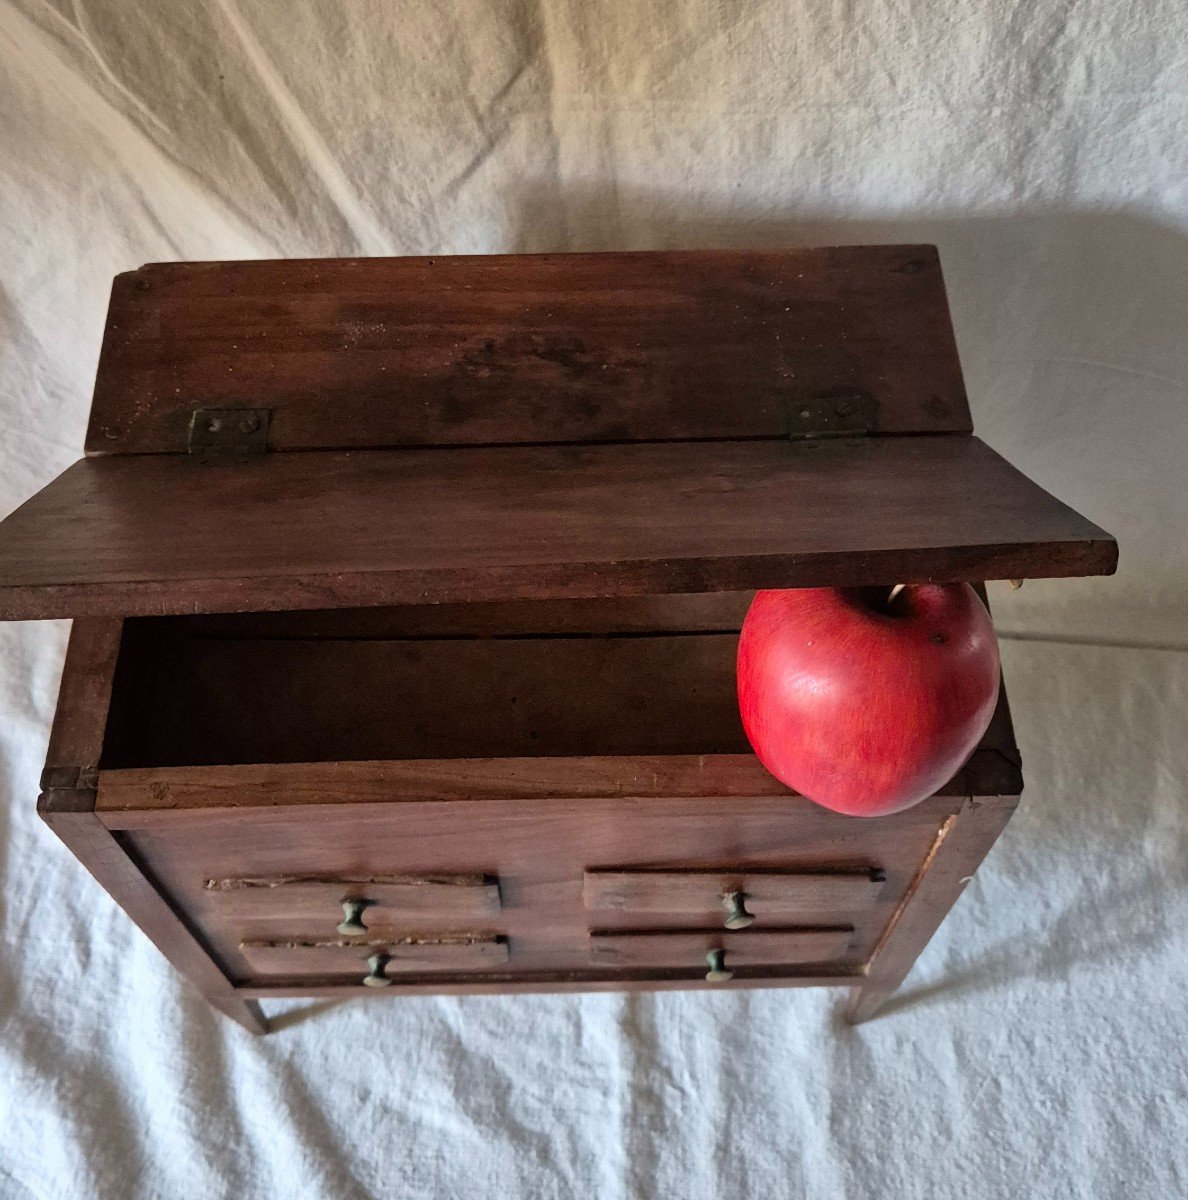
(375, 976)
(737, 916)
(717, 972)
(351, 924)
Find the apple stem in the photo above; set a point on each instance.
(895, 592)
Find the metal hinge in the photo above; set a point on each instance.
(219, 434)
(838, 412)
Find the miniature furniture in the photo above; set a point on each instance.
(406, 595)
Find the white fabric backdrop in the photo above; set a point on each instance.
(1039, 1047)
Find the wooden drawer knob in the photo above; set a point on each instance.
(737, 916)
(375, 976)
(717, 972)
(351, 924)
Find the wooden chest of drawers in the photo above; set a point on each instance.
(281, 838)
(344, 716)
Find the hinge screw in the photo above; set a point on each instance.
(214, 425)
(249, 424)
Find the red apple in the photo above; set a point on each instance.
(863, 700)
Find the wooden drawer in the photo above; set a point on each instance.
(374, 960)
(322, 906)
(666, 834)
(718, 951)
(733, 899)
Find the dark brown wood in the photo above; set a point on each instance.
(257, 789)
(84, 696)
(158, 534)
(689, 947)
(537, 696)
(283, 700)
(961, 843)
(710, 813)
(76, 743)
(544, 487)
(410, 953)
(414, 694)
(314, 904)
(266, 698)
(538, 847)
(130, 887)
(413, 698)
(370, 352)
(538, 823)
(506, 983)
(705, 612)
(617, 898)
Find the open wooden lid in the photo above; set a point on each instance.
(300, 434)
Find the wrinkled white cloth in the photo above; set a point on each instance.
(1039, 1047)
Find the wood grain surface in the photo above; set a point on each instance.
(689, 947)
(302, 700)
(539, 849)
(314, 903)
(771, 897)
(159, 534)
(84, 701)
(962, 842)
(67, 805)
(376, 352)
(514, 983)
(314, 958)
(543, 487)
(704, 612)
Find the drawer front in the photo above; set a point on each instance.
(735, 899)
(565, 865)
(321, 906)
(719, 952)
(375, 959)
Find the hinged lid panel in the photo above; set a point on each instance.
(497, 349)
(334, 433)
(164, 534)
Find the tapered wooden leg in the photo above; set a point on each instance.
(67, 805)
(247, 1013)
(70, 814)
(961, 844)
